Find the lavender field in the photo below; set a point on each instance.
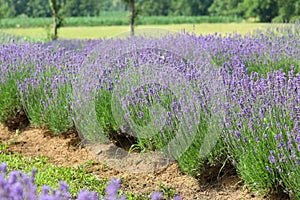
(196, 99)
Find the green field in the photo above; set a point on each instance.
(114, 19)
(112, 31)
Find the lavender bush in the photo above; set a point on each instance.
(44, 93)
(262, 114)
(37, 77)
(251, 108)
(265, 51)
(123, 97)
(15, 65)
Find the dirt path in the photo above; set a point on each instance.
(66, 150)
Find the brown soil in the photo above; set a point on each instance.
(19, 121)
(67, 150)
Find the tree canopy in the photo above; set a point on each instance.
(264, 11)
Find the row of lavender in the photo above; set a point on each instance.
(62, 86)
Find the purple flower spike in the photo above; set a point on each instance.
(3, 168)
(113, 187)
(268, 169)
(86, 195)
(63, 187)
(177, 197)
(157, 196)
(17, 189)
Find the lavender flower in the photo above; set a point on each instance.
(157, 196)
(113, 187)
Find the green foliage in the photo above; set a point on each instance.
(154, 8)
(25, 22)
(78, 178)
(288, 10)
(114, 20)
(186, 20)
(226, 8)
(251, 151)
(189, 162)
(6, 9)
(10, 100)
(106, 120)
(104, 113)
(268, 66)
(52, 114)
(190, 7)
(168, 191)
(10, 103)
(264, 11)
(81, 8)
(37, 8)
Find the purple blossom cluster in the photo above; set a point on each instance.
(37, 78)
(254, 78)
(262, 113)
(261, 78)
(14, 61)
(18, 186)
(262, 52)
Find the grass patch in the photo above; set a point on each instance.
(78, 178)
(85, 32)
(113, 19)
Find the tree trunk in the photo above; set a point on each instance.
(132, 17)
(55, 27)
(54, 5)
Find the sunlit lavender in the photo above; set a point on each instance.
(241, 91)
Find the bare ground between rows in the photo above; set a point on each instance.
(67, 150)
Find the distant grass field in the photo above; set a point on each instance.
(112, 31)
(114, 19)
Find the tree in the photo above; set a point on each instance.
(133, 15)
(297, 8)
(226, 8)
(75, 8)
(200, 7)
(20, 6)
(265, 10)
(71, 8)
(7, 9)
(57, 20)
(190, 7)
(38, 8)
(288, 9)
(89, 8)
(154, 7)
